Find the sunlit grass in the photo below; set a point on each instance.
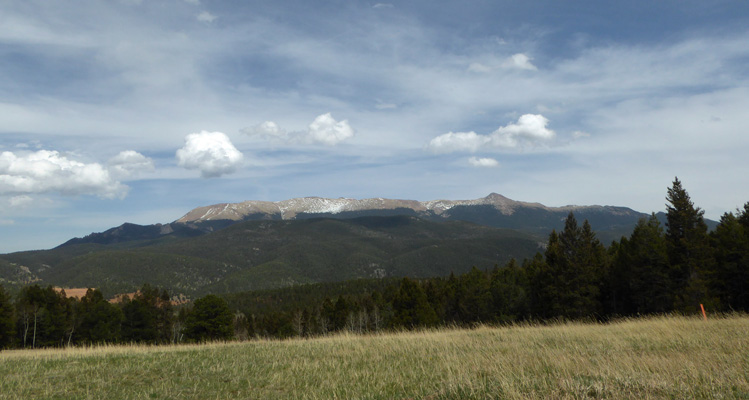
(663, 357)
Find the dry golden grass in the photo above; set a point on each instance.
(664, 357)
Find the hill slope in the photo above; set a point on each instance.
(275, 253)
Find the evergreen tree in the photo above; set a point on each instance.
(411, 307)
(7, 322)
(210, 319)
(508, 294)
(571, 277)
(688, 248)
(640, 277)
(148, 316)
(98, 320)
(731, 243)
(474, 297)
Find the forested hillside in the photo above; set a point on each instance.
(268, 254)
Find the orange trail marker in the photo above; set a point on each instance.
(704, 316)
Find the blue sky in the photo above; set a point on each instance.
(140, 110)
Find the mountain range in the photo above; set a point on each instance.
(494, 210)
(233, 247)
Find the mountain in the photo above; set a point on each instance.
(275, 253)
(256, 244)
(494, 210)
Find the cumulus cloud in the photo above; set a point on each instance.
(530, 130)
(46, 171)
(205, 16)
(129, 163)
(326, 130)
(458, 141)
(210, 152)
(483, 162)
(323, 130)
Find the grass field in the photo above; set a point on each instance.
(663, 357)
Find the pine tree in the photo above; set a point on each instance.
(571, 277)
(7, 323)
(148, 317)
(640, 277)
(209, 319)
(688, 248)
(508, 294)
(411, 307)
(731, 243)
(98, 320)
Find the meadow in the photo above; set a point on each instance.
(656, 357)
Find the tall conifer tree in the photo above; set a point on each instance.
(688, 249)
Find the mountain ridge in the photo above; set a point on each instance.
(494, 210)
(289, 209)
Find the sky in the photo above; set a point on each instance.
(141, 110)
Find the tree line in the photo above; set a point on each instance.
(657, 269)
(46, 317)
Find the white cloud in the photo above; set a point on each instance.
(129, 163)
(483, 162)
(519, 61)
(383, 5)
(193, 2)
(267, 130)
(326, 130)
(49, 172)
(210, 152)
(323, 130)
(458, 141)
(205, 16)
(530, 130)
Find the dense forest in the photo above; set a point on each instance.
(657, 269)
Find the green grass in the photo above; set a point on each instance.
(664, 357)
